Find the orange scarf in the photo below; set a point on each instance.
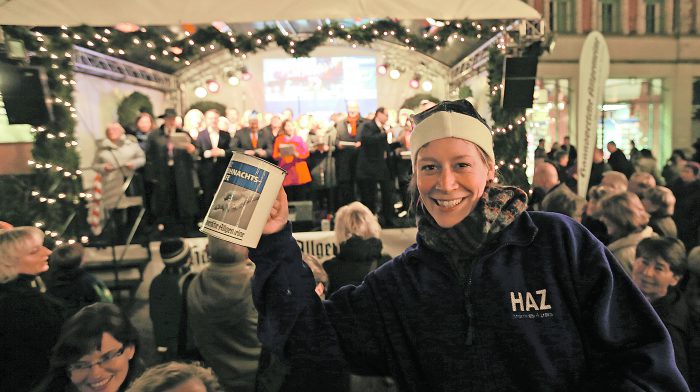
(352, 120)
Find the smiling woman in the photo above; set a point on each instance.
(31, 320)
(507, 300)
(96, 352)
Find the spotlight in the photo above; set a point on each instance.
(234, 80)
(414, 83)
(245, 74)
(394, 74)
(213, 86)
(126, 27)
(382, 69)
(427, 86)
(200, 92)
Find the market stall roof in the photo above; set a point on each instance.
(167, 12)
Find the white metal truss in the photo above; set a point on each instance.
(94, 63)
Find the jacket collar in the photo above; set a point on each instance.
(521, 232)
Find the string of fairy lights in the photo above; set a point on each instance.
(185, 47)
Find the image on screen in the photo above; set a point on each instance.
(320, 85)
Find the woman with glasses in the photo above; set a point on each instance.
(29, 319)
(96, 352)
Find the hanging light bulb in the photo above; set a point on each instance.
(427, 86)
(245, 74)
(213, 86)
(414, 83)
(382, 69)
(200, 92)
(394, 74)
(234, 80)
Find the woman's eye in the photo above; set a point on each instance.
(464, 164)
(428, 167)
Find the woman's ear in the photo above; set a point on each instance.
(130, 351)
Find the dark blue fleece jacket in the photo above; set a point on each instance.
(547, 308)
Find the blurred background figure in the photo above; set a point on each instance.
(627, 223)
(193, 122)
(592, 216)
(357, 233)
(31, 320)
(566, 203)
(687, 214)
(291, 154)
(176, 377)
(660, 203)
(640, 182)
(598, 167)
(69, 282)
(616, 181)
(672, 170)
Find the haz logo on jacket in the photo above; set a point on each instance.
(528, 305)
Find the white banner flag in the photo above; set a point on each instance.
(594, 66)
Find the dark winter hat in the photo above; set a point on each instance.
(174, 252)
(170, 112)
(456, 119)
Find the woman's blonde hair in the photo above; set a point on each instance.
(13, 243)
(625, 211)
(355, 219)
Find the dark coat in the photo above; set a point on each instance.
(687, 211)
(242, 141)
(618, 162)
(545, 308)
(674, 312)
(356, 258)
(76, 288)
(346, 158)
(211, 170)
(597, 170)
(663, 225)
(371, 159)
(158, 172)
(31, 323)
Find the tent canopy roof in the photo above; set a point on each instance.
(168, 12)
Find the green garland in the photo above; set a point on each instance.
(50, 195)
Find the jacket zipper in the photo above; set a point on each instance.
(468, 304)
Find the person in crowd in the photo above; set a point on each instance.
(503, 298)
(170, 169)
(234, 120)
(553, 150)
(214, 150)
(616, 181)
(321, 162)
(222, 317)
(692, 296)
(675, 164)
(565, 202)
(117, 158)
(645, 162)
(193, 122)
(546, 184)
(166, 300)
(347, 145)
(272, 130)
(591, 217)
(291, 154)
(176, 377)
(659, 266)
(660, 203)
(97, 351)
(288, 114)
(143, 126)
(561, 162)
(252, 141)
(639, 182)
(627, 222)
(358, 235)
(634, 152)
(31, 319)
(403, 165)
(70, 283)
(687, 214)
(598, 168)
(540, 152)
(5, 225)
(372, 169)
(571, 149)
(618, 161)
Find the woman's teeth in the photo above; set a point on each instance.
(448, 203)
(99, 383)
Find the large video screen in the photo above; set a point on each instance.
(320, 85)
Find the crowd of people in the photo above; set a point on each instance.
(501, 291)
(331, 163)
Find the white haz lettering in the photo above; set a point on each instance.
(529, 302)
